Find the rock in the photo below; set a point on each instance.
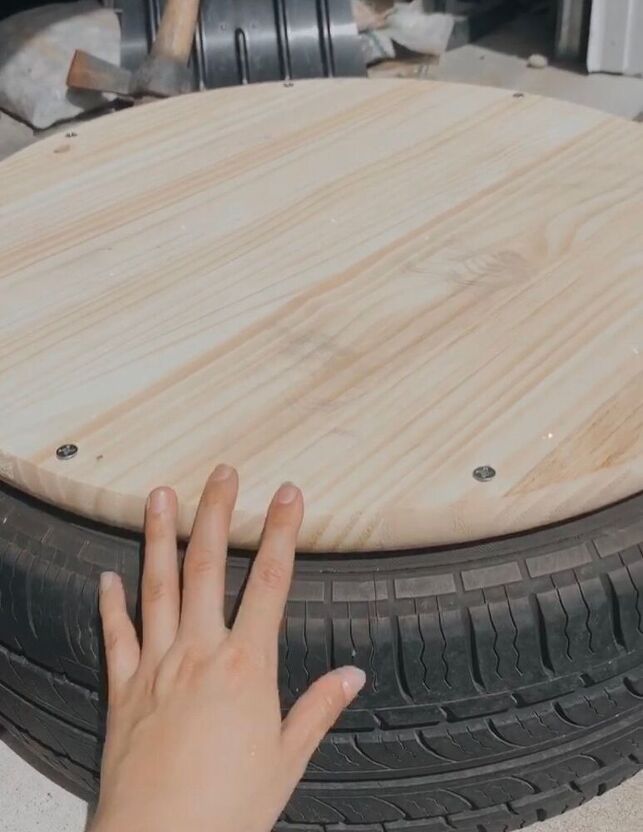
(409, 26)
(537, 61)
(366, 17)
(36, 48)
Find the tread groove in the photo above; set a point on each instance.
(615, 612)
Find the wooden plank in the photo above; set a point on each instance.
(371, 288)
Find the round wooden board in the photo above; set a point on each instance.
(370, 288)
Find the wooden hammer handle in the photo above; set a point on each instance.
(176, 33)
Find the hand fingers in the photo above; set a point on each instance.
(161, 600)
(315, 713)
(121, 644)
(205, 561)
(265, 596)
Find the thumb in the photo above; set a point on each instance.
(316, 712)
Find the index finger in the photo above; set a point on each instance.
(265, 597)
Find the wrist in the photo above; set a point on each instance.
(130, 822)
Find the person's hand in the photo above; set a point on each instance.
(195, 740)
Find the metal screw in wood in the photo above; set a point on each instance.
(484, 473)
(66, 452)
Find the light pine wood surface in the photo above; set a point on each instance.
(370, 288)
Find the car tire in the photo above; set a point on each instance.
(505, 678)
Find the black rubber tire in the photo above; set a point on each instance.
(505, 679)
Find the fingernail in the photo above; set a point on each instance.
(159, 500)
(287, 493)
(221, 472)
(106, 581)
(353, 680)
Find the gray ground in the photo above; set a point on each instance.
(28, 801)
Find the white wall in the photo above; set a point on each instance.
(616, 37)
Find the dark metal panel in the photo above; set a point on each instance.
(246, 41)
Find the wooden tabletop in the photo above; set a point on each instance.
(371, 288)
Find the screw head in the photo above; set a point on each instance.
(68, 451)
(484, 473)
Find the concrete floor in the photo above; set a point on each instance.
(500, 60)
(28, 801)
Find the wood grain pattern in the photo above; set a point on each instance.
(367, 287)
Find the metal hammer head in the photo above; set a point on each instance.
(158, 76)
